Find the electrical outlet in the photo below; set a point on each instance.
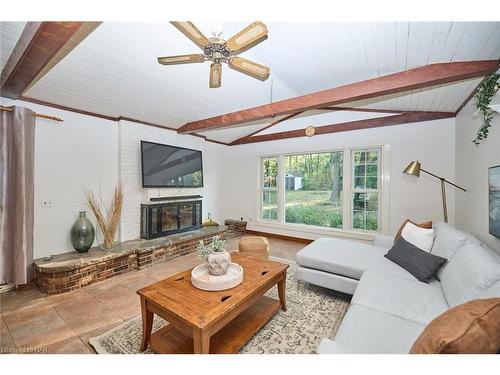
(47, 203)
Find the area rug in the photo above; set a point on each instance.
(312, 314)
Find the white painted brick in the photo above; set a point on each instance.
(130, 173)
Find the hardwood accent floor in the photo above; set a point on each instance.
(34, 322)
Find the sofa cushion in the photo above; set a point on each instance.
(419, 263)
(472, 270)
(448, 240)
(327, 280)
(473, 327)
(365, 330)
(347, 258)
(327, 346)
(420, 237)
(492, 292)
(405, 298)
(426, 225)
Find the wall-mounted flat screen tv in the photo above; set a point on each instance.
(170, 166)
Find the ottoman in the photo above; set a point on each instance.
(254, 246)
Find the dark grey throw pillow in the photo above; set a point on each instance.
(419, 263)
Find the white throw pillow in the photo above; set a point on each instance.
(420, 237)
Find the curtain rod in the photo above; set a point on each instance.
(34, 114)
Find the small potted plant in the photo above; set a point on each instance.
(216, 256)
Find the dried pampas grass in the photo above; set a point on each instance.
(107, 219)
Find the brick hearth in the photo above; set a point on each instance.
(70, 271)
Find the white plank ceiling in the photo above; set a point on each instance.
(114, 70)
(9, 34)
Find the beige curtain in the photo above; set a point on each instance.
(17, 146)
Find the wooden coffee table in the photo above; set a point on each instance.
(211, 322)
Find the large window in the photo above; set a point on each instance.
(269, 188)
(337, 189)
(313, 189)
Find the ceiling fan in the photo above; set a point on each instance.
(218, 51)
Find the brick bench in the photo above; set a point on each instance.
(70, 271)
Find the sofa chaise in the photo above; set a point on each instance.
(390, 307)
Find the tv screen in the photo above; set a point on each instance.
(170, 166)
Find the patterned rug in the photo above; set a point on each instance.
(312, 314)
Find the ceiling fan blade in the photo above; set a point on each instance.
(249, 67)
(181, 59)
(247, 38)
(192, 32)
(215, 75)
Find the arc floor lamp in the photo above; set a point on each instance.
(414, 169)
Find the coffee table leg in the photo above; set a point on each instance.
(201, 341)
(281, 292)
(147, 324)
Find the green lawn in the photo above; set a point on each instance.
(312, 207)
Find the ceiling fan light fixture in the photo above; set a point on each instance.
(216, 28)
(250, 68)
(191, 31)
(215, 75)
(247, 38)
(218, 50)
(181, 59)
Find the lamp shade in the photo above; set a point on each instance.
(413, 168)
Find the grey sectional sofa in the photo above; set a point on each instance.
(390, 308)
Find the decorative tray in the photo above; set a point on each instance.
(202, 279)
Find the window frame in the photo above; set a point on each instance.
(348, 171)
(263, 189)
(354, 190)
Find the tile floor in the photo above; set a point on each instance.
(32, 322)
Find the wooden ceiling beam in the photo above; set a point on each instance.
(333, 109)
(265, 127)
(403, 118)
(40, 46)
(370, 110)
(426, 76)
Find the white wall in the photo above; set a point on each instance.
(97, 153)
(82, 150)
(420, 199)
(130, 173)
(472, 163)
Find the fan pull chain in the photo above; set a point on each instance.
(271, 98)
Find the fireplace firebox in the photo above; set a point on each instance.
(166, 218)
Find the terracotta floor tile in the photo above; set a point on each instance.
(36, 326)
(85, 313)
(56, 299)
(123, 301)
(139, 282)
(6, 342)
(103, 285)
(72, 345)
(17, 299)
(232, 243)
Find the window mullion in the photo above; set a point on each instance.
(281, 189)
(346, 190)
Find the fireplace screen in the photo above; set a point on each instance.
(163, 219)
